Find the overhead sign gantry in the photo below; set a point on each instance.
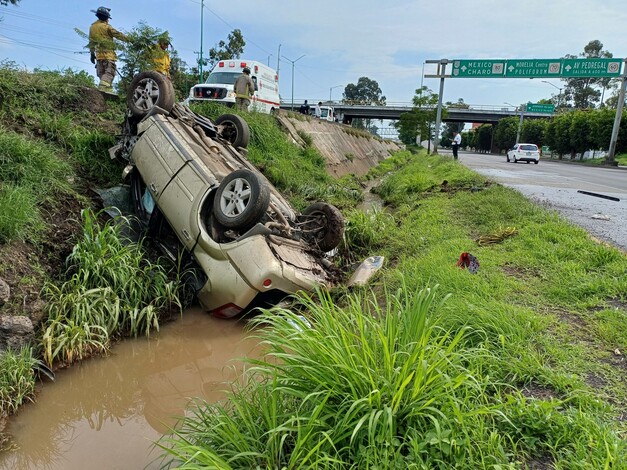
(534, 68)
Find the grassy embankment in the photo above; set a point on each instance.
(54, 136)
(518, 366)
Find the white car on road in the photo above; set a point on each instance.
(524, 153)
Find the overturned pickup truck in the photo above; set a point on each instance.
(189, 176)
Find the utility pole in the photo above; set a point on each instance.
(200, 59)
(293, 62)
(520, 123)
(617, 118)
(438, 118)
(278, 61)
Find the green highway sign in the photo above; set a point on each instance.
(533, 68)
(591, 67)
(540, 108)
(536, 68)
(478, 68)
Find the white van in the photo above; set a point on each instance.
(326, 112)
(219, 85)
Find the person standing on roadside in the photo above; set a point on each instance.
(304, 108)
(244, 88)
(318, 110)
(457, 141)
(102, 47)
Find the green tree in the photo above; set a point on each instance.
(232, 48)
(366, 91)
(7, 2)
(505, 133)
(483, 138)
(533, 131)
(586, 92)
(136, 54)
(558, 137)
(420, 120)
(459, 104)
(581, 138)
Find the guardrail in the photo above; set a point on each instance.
(400, 104)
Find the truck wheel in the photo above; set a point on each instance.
(322, 225)
(234, 129)
(147, 90)
(241, 200)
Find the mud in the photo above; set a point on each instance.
(105, 413)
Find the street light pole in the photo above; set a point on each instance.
(293, 62)
(331, 89)
(559, 95)
(200, 59)
(520, 122)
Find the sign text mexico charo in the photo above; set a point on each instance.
(536, 68)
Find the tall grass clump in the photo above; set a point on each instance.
(374, 384)
(112, 289)
(381, 383)
(17, 379)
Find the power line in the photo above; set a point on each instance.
(18, 29)
(40, 47)
(40, 19)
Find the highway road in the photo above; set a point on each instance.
(556, 184)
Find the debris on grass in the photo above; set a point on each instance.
(498, 236)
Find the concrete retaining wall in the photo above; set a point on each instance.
(344, 148)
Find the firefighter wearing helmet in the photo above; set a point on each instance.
(102, 47)
(160, 56)
(244, 88)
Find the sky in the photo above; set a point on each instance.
(339, 40)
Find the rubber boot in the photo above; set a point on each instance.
(105, 86)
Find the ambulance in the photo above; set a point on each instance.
(219, 85)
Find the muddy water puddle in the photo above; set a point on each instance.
(372, 201)
(106, 413)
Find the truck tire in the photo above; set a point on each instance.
(235, 130)
(147, 90)
(241, 200)
(322, 225)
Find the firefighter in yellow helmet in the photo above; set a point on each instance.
(160, 56)
(102, 47)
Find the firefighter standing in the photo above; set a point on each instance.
(102, 47)
(160, 56)
(244, 89)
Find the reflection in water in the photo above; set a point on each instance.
(105, 413)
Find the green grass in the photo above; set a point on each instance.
(386, 381)
(112, 290)
(530, 340)
(31, 175)
(17, 379)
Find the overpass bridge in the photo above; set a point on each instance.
(392, 111)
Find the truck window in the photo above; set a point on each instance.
(227, 78)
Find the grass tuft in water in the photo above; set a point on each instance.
(112, 289)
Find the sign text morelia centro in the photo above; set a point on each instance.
(536, 68)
